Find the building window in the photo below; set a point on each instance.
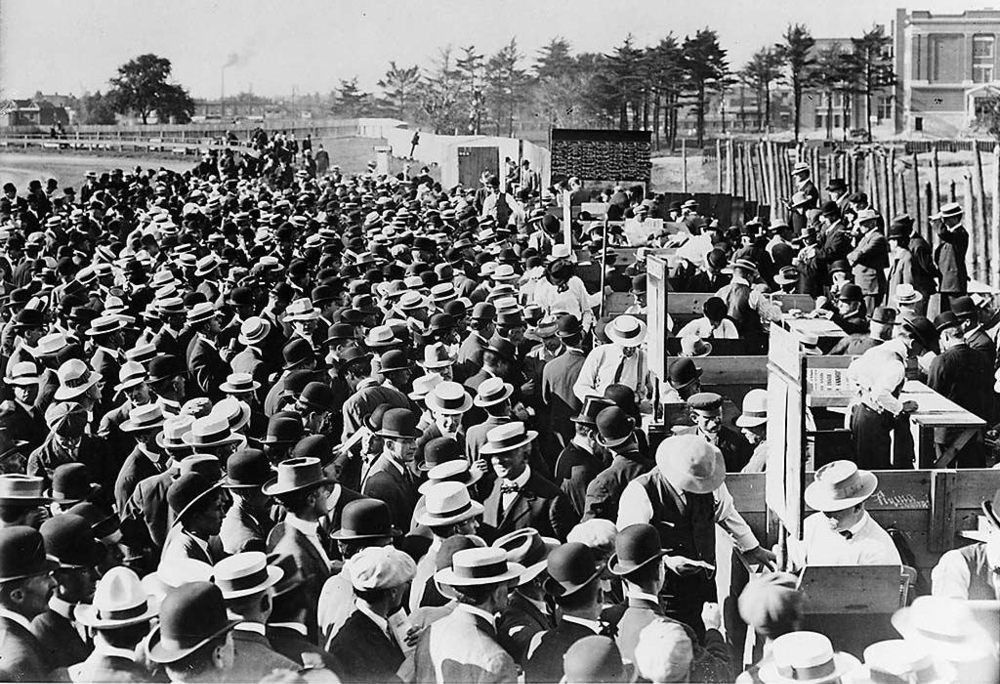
(884, 108)
(918, 123)
(982, 58)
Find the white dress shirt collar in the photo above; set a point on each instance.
(254, 627)
(479, 612)
(16, 617)
(294, 626)
(590, 624)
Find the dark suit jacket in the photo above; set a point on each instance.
(950, 258)
(206, 369)
(575, 469)
(365, 652)
(558, 378)
(166, 343)
(255, 659)
(296, 647)
(61, 644)
(106, 365)
(399, 492)
(539, 504)
(518, 624)
(137, 467)
(470, 356)
(21, 655)
(284, 539)
(25, 425)
(545, 661)
(605, 490)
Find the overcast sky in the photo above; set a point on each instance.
(76, 45)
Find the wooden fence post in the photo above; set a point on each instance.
(927, 232)
(890, 182)
(981, 218)
(976, 253)
(936, 178)
(916, 192)
(718, 166)
(994, 271)
(903, 204)
(684, 166)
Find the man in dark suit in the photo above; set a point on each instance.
(582, 460)
(520, 497)
(106, 333)
(169, 340)
(973, 330)
(706, 414)
(950, 253)
(197, 507)
(870, 259)
(116, 637)
(247, 585)
(246, 524)
(366, 392)
(470, 353)
(302, 489)
(146, 459)
(69, 540)
(616, 433)
(574, 585)
(558, 377)
(390, 479)
(366, 646)
(25, 586)
(206, 367)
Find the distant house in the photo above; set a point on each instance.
(33, 112)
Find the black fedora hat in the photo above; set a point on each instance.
(503, 348)
(635, 547)
(191, 616)
(71, 484)
(365, 519)
(399, 423)
(571, 567)
(247, 469)
(22, 554)
(187, 491)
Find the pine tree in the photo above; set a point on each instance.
(399, 86)
(763, 70)
(706, 68)
(797, 55)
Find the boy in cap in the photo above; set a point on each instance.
(367, 645)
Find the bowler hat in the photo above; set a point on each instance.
(569, 326)
(283, 429)
(440, 450)
(851, 293)
(393, 360)
(192, 616)
(164, 368)
(22, 554)
(683, 373)
(313, 446)
(187, 491)
(318, 396)
(614, 427)
(296, 353)
(635, 547)
(68, 538)
(295, 475)
(247, 468)
(945, 320)
(399, 423)
(884, 315)
(365, 519)
(483, 312)
(964, 307)
(571, 567)
(71, 484)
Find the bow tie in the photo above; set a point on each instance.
(509, 488)
(846, 534)
(609, 630)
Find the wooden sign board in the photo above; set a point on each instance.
(656, 316)
(601, 155)
(864, 589)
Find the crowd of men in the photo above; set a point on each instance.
(262, 422)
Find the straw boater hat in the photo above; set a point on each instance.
(22, 373)
(945, 627)
(209, 432)
(492, 391)
(896, 660)
(105, 325)
(245, 574)
(239, 383)
(174, 429)
(254, 330)
(119, 601)
(457, 470)
(448, 503)
(145, 417)
(626, 330)
(507, 437)
(838, 486)
(479, 567)
(806, 658)
(449, 398)
(22, 490)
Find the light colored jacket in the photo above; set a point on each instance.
(462, 648)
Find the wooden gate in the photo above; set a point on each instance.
(472, 161)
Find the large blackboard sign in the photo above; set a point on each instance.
(601, 155)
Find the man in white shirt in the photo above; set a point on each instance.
(713, 325)
(973, 571)
(622, 361)
(841, 532)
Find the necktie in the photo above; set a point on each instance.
(609, 630)
(620, 370)
(846, 534)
